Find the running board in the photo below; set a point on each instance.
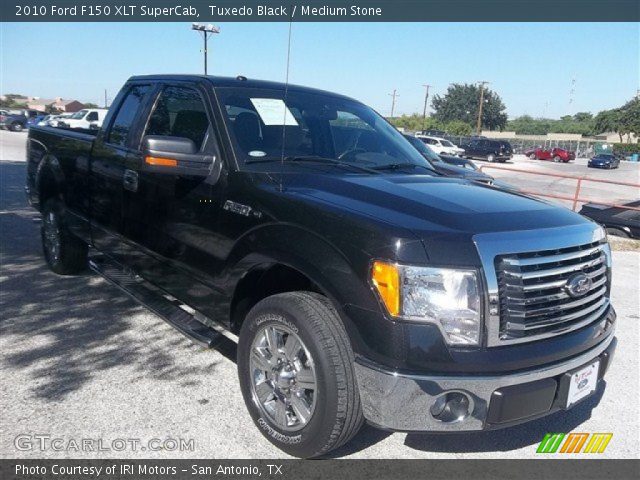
(155, 300)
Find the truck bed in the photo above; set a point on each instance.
(70, 147)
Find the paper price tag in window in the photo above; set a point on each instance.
(273, 111)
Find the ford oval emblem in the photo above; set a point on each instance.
(583, 384)
(578, 284)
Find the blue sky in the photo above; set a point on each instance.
(530, 65)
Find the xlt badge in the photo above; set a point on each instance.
(239, 208)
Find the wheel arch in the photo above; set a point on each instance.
(281, 258)
(50, 179)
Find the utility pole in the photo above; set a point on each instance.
(424, 111)
(105, 98)
(479, 125)
(393, 101)
(207, 31)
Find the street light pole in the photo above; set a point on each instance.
(207, 31)
(479, 125)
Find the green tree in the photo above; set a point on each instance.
(458, 127)
(90, 105)
(461, 101)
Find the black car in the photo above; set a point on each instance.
(490, 150)
(361, 285)
(445, 167)
(604, 160)
(620, 222)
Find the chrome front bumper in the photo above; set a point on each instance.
(402, 402)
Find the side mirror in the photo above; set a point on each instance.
(176, 156)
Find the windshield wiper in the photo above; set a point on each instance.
(314, 158)
(398, 166)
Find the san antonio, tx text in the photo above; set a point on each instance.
(125, 469)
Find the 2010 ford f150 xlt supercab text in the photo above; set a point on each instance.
(362, 284)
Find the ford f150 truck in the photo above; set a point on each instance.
(361, 285)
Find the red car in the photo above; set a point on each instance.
(555, 154)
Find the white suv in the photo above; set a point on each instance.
(86, 118)
(441, 146)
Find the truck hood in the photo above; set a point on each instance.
(427, 205)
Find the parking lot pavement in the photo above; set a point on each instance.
(79, 360)
(628, 172)
(12, 145)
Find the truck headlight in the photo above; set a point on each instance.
(448, 298)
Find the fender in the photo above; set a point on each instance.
(341, 280)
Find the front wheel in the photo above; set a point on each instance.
(556, 159)
(65, 253)
(532, 156)
(491, 158)
(295, 365)
(16, 127)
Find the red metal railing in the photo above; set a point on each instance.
(575, 198)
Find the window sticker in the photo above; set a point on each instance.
(257, 153)
(273, 111)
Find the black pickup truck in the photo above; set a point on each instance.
(361, 285)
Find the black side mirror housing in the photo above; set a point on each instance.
(175, 156)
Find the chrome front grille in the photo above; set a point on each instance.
(534, 297)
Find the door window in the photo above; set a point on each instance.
(121, 126)
(93, 116)
(180, 112)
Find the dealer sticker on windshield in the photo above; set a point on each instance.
(273, 111)
(583, 382)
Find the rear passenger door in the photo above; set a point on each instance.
(108, 163)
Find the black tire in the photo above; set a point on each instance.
(617, 232)
(337, 415)
(533, 156)
(556, 159)
(70, 255)
(16, 127)
(491, 158)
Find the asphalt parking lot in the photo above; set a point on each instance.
(79, 360)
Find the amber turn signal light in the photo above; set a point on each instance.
(386, 279)
(164, 162)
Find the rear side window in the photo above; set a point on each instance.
(127, 112)
(180, 112)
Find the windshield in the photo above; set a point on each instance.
(79, 115)
(264, 127)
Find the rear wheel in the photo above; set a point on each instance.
(16, 127)
(65, 253)
(295, 366)
(556, 159)
(491, 158)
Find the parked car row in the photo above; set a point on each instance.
(88, 118)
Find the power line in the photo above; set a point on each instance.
(393, 101)
(479, 125)
(424, 111)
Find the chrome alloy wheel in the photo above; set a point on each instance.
(283, 377)
(51, 236)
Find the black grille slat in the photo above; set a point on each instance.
(533, 298)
